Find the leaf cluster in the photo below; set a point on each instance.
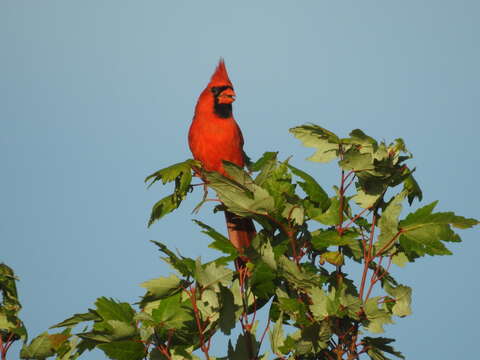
(295, 270)
(11, 327)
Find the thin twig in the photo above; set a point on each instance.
(367, 257)
(374, 278)
(263, 336)
(356, 217)
(351, 180)
(388, 244)
(290, 234)
(192, 295)
(341, 193)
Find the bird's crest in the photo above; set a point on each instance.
(220, 76)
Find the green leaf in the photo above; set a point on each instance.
(85, 344)
(276, 336)
(227, 311)
(237, 173)
(356, 161)
(297, 276)
(123, 350)
(427, 240)
(292, 307)
(220, 242)
(377, 317)
(321, 305)
(262, 281)
(181, 173)
(322, 239)
(109, 309)
(267, 255)
(264, 160)
(181, 353)
(294, 213)
(331, 216)
(388, 223)
(68, 350)
(8, 323)
(422, 232)
(403, 299)
(279, 185)
(313, 338)
(424, 216)
(8, 289)
(365, 200)
(212, 275)
(184, 266)
(378, 346)
(325, 142)
(313, 190)
(162, 208)
(400, 259)
(209, 305)
(412, 188)
(243, 347)
(350, 305)
(160, 288)
(293, 343)
(120, 330)
(171, 313)
(78, 318)
(118, 321)
(366, 143)
(268, 166)
(332, 257)
(172, 172)
(40, 348)
(239, 199)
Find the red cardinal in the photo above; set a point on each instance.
(215, 136)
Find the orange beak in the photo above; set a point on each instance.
(227, 96)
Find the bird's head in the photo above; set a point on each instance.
(221, 86)
(219, 95)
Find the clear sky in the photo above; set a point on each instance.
(97, 94)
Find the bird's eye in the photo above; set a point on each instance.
(216, 90)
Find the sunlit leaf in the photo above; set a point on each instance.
(123, 350)
(325, 142)
(378, 346)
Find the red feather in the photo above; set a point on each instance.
(214, 137)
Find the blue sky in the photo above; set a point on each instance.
(95, 95)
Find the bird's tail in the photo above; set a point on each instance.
(241, 231)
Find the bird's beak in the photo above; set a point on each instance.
(227, 96)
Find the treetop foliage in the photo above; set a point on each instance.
(295, 270)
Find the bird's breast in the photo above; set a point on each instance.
(215, 139)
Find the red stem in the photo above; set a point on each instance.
(387, 245)
(367, 256)
(291, 236)
(372, 235)
(374, 278)
(5, 346)
(192, 295)
(387, 270)
(351, 180)
(244, 321)
(2, 350)
(263, 335)
(341, 193)
(355, 218)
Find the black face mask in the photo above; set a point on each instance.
(222, 110)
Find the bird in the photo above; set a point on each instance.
(215, 136)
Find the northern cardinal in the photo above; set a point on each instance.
(215, 136)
